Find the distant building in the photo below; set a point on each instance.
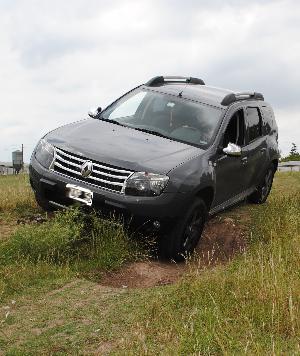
(290, 166)
(17, 160)
(6, 168)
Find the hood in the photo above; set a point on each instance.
(121, 146)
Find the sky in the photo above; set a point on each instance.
(60, 58)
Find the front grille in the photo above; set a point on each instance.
(103, 175)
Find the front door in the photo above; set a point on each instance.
(231, 172)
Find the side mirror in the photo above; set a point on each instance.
(232, 150)
(94, 112)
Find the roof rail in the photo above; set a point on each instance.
(173, 79)
(231, 98)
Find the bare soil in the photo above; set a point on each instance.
(222, 238)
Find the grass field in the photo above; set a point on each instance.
(52, 300)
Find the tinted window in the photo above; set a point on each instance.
(267, 120)
(235, 130)
(253, 123)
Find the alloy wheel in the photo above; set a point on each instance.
(192, 231)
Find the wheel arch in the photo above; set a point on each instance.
(207, 194)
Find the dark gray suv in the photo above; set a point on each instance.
(169, 153)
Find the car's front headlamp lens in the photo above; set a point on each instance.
(44, 153)
(146, 184)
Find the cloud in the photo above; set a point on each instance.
(60, 58)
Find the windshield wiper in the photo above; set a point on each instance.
(111, 121)
(153, 132)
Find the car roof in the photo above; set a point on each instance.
(202, 93)
(195, 89)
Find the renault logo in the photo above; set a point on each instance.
(86, 169)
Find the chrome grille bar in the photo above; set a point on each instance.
(67, 162)
(68, 155)
(104, 176)
(94, 163)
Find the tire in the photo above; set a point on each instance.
(263, 190)
(42, 202)
(182, 238)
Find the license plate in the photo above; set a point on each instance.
(80, 194)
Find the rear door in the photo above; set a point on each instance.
(254, 151)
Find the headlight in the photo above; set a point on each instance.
(44, 153)
(146, 184)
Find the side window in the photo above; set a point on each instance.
(235, 131)
(267, 120)
(253, 123)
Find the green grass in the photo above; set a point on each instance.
(287, 183)
(52, 305)
(68, 245)
(70, 238)
(250, 306)
(72, 243)
(16, 196)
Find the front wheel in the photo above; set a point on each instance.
(263, 190)
(182, 238)
(42, 202)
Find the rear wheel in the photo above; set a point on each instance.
(263, 190)
(184, 235)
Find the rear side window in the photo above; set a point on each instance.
(267, 120)
(253, 123)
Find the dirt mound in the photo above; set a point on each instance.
(221, 240)
(143, 275)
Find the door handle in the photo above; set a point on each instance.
(244, 160)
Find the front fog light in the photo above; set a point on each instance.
(146, 184)
(44, 153)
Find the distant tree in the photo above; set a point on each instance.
(293, 155)
(294, 150)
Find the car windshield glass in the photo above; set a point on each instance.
(173, 117)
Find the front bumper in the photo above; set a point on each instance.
(52, 186)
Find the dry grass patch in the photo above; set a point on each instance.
(16, 195)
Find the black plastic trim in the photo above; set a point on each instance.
(233, 97)
(159, 80)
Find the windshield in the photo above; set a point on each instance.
(170, 116)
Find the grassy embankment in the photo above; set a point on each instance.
(66, 245)
(250, 305)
